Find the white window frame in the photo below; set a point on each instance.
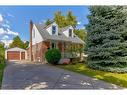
(53, 33)
(69, 33)
(54, 43)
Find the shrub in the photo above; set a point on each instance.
(2, 60)
(53, 56)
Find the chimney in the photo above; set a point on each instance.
(31, 27)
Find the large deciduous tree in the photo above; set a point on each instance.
(60, 19)
(81, 33)
(107, 37)
(71, 19)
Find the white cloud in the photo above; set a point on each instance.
(6, 25)
(1, 18)
(9, 32)
(5, 37)
(79, 22)
(2, 31)
(7, 42)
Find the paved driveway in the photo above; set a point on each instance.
(43, 76)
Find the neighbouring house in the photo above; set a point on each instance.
(15, 54)
(43, 37)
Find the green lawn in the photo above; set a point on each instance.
(115, 78)
(2, 66)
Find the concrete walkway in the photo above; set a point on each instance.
(43, 76)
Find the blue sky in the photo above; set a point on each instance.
(14, 20)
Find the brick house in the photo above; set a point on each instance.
(44, 37)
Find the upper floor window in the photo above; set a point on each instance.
(53, 29)
(70, 32)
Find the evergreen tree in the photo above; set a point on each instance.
(17, 42)
(107, 37)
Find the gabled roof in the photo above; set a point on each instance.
(15, 49)
(60, 37)
(46, 36)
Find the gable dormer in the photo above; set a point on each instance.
(69, 31)
(52, 29)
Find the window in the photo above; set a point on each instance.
(53, 45)
(70, 32)
(53, 29)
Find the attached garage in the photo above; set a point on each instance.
(15, 54)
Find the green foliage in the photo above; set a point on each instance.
(64, 21)
(17, 42)
(81, 33)
(107, 36)
(2, 54)
(2, 50)
(67, 20)
(2, 61)
(2, 66)
(71, 19)
(53, 56)
(115, 78)
(60, 19)
(26, 44)
(48, 22)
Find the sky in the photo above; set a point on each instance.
(14, 20)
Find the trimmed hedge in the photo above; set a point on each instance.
(53, 56)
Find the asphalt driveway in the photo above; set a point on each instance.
(43, 76)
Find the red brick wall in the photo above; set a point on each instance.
(38, 51)
(60, 46)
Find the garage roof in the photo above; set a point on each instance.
(16, 49)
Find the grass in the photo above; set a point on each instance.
(115, 78)
(2, 66)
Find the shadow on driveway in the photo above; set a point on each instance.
(44, 76)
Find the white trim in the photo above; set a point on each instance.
(38, 37)
(20, 55)
(15, 49)
(55, 43)
(6, 55)
(25, 55)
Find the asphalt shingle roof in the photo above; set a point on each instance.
(60, 37)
